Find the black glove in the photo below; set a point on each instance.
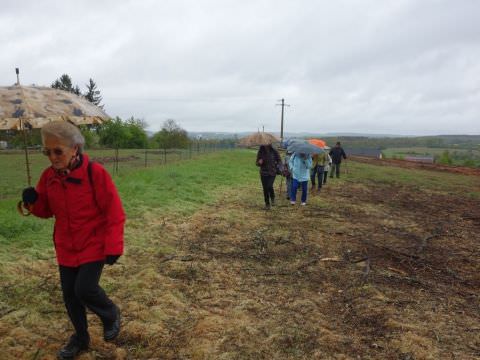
(111, 259)
(29, 195)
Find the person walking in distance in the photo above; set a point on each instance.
(287, 173)
(269, 161)
(300, 165)
(319, 161)
(326, 169)
(337, 154)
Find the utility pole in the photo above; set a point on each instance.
(282, 104)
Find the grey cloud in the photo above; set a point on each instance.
(382, 66)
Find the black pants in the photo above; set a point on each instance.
(336, 168)
(80, 291)
(317, 171)
(268, 192)
(325, 174)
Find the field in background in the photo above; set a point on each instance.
(457, 156)
(426, 151)
(14, 174)
(382, 264)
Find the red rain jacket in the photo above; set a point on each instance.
(88, 224)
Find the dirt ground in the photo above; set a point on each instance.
(359, 273)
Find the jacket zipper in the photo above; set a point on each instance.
(64, 186)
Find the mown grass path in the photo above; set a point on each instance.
(382, 264)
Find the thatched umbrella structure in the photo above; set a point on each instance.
(27, 107)
(258, 138)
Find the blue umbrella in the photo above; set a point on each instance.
(287, 142)
(304, 147)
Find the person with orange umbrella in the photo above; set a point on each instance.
(319, 161)
(318, 164)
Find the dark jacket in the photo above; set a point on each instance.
(271, 161)
(337, 153)
(89, 216)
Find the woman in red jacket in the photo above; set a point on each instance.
(88, 231)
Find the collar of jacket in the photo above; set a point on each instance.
(75, 175)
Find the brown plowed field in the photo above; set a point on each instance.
(418, 165)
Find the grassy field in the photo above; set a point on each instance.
(382, 264)
(14, 175)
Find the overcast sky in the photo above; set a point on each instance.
(396, 67)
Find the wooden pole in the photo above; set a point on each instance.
(27, 162)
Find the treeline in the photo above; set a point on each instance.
(121, 134)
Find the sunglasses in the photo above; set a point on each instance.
(55, 151)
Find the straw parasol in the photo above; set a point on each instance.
(35, 106)
(258, 138)
(27, 107)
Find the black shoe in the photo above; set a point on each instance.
(111, 331)
(267, 207)
(73, 348)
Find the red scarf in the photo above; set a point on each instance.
(74, 163)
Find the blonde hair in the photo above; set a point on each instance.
(65, 132)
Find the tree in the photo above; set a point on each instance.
(171, 136)
(445, 158)
(113, 133)
(93, 94)
(64, 82)
(129, 134)
(90, 135)
(137, 136)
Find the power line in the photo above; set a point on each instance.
(282, 104)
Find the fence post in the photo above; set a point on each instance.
(116, 161)
(164, 156)
(145, 157)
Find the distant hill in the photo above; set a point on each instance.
(445, 139)
(363, 141)
(229, 135)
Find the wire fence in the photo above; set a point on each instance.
(13, 178)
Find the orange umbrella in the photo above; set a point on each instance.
(318, 142)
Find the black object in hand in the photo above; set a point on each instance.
(29, 195)
(111, 259)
